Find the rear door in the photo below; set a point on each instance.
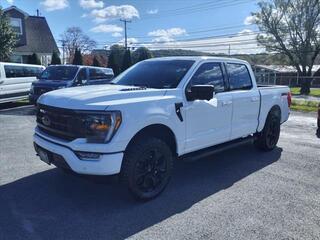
(208, 122)
(246, 100)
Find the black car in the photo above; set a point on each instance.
(62, 76)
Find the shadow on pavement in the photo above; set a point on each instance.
(17, 109)
(53, 205)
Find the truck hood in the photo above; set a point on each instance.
(98, 97)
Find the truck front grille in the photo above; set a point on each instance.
(59, 122)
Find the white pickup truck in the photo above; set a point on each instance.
(157, 111)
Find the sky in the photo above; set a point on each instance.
(221, 26)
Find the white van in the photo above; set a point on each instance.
(16, 79)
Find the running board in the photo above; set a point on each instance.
(190, 157)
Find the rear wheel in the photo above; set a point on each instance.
(267, 140)
(147, 167)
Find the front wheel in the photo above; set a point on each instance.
(147, 167)
(267, 140)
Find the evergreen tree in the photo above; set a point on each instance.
(33, 59)
(96, 62)
(143, 53)
(7, 38)
(55, 59)
(127, 61)
(112, 63)
(77, 59)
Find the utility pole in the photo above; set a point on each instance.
(125, 32)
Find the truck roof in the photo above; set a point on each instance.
(200, 58)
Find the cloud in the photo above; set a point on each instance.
(167, 35)
(116, 34)
(107, 28)
(53, 5)
(244, 42)
(249, 20)
(131, 42)
(152, 11)
(10, 1)
(127, 12)
(89, 4)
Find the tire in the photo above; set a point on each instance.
(147, 167)
(267, 139)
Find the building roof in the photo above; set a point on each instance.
(17, 9)
(39, 37)
(285, 68)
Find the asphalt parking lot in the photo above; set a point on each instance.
(239, 194)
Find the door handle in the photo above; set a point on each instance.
(226, 103)
(255, 99)
(1, 82)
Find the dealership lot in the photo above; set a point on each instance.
(239, 194)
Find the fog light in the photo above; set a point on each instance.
(88, 155)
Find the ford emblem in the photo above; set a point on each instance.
(46, 120)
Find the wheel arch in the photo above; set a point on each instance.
(160, 131)
(274, 109)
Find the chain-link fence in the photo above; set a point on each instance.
(291, 80)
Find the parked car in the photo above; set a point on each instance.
(16, 79)
(63, 76)
(157, 111)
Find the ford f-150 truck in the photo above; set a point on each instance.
(157, 111)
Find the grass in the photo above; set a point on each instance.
(304, 106)
(315, 92)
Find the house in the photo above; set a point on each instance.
(34, 36)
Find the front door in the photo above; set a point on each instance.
(208, 122)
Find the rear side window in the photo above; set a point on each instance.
(99, 74)
(239, 77)
(209, 74)
(21, 71)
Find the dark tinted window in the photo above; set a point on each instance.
(82, 75)
(209, 74)
(99, 74)
(21, 71)
(155, 74)
(57, 73)
(239, 76)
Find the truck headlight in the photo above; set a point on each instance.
(32, 89)
(101, 127)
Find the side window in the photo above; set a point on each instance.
(209, 74)
(21, 71)
(98, 74)
(239, 77)
(82, 75)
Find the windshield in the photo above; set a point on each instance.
(155, 74)
(59, 73)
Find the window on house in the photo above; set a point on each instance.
(16, 25)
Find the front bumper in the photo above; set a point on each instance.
(33, 98)
(107, 164)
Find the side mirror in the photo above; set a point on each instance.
(200, 92)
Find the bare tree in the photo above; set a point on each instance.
(74, 38)
(292, 27)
